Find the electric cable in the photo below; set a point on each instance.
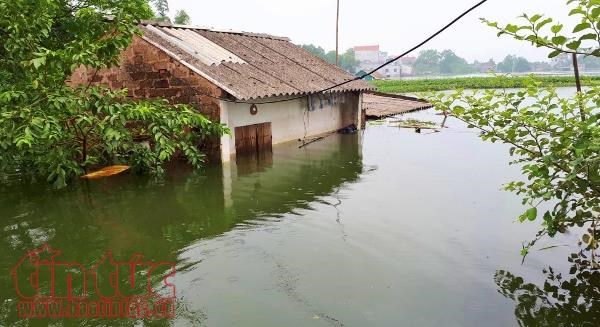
(422, 43)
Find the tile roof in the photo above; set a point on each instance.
(249, 65)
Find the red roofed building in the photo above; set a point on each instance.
(369, 53)
(366, 48)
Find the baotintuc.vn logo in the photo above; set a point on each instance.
(49, 288)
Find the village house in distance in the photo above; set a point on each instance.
(222, 73)
(371, 57)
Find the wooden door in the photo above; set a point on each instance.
(254, 148)
(264, 139)
(253, 139)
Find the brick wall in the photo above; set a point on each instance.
(147, 73)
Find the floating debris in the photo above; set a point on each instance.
(414, 123)
(106, 172)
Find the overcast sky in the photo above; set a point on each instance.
(394, 25)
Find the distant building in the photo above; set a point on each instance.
(484, 67)
(371, 57)
(409, 61)
(394, 70)
(369, 53)
(541, 66)
(563, 62)
(378, 75)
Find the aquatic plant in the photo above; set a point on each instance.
(475, 83)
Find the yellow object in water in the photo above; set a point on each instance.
(106, 172)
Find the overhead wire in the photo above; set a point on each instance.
(422, 43)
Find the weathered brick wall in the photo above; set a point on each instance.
(147, 73)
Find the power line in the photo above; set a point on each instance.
(438, 32)
(427, 39)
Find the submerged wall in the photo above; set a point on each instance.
(294, 119)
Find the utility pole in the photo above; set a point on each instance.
(337, 35)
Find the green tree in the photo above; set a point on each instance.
(522, 65)
(182, 18)
(427, 63)
(347, 60)
(451, 64)
(162, 9)
(57, 132)
(514, 64)
(506, 65)
(589, 62)
(555, 140)
(315, 50)
(330, 57)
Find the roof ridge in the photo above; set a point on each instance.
(212, 29)
(278, 68)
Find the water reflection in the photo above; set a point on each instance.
(129, 214)
(571, 299)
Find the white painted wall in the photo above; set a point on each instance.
(292, 120)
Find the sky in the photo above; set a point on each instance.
(395, 25)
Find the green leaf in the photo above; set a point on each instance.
(37, 62)
(535, 18)
(582, 26)
(543, 23)
(576, 11)
(554, 53)
(586, 238)
(574, 45)
(531, 214)
(556, 28)
(589, 36)
(559, 40)
(511, 28)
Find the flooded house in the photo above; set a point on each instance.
(240, 80)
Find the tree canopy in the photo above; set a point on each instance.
(514, 64)
(451, 64)
(427, 63)
(162, 9)
(53, 131)
(182, 18)
(433, 62)
(347, 60)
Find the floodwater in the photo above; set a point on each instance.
(382, 228)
